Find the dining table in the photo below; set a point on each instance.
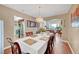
(35, 44)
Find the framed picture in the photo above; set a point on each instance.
(31, 23)
(75, 18)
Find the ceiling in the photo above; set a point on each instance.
(46, 10)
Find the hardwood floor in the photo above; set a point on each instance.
(62, 48)
(7, 51)
(67, 49)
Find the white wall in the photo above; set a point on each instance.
(73, 33)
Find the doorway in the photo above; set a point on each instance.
(18, 27)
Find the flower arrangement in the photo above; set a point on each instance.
(42, 30)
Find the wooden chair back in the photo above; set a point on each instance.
(49, 49)
(29, 33)
(16, 48)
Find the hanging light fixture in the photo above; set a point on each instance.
(39, 18)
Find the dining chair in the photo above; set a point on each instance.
(17, 50)
(49, 49)
(15, 47)
(29, 33)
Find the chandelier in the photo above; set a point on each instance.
(39, 18)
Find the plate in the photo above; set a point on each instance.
(30, 41)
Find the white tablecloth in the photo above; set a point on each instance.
(37, 48)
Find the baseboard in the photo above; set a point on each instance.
(69, 46)
(7, 47)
